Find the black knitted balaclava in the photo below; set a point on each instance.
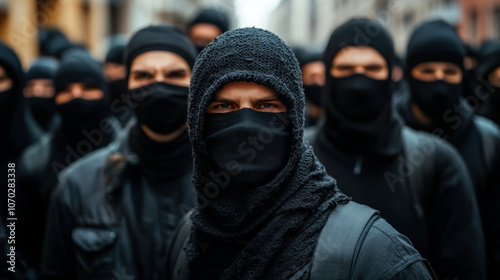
(313, 92)
(42, 108)
(358, 113)
(211, 16)
(160, 106)
(434, 41)
(79, 113)
(15, 120)
(118, 87)
(269, 230)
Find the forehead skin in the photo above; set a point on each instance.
(158, 63)
(203, 33)
(360, 57)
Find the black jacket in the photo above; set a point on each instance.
(110, 218)
(477, 140)
(38, 168)
(440, 216)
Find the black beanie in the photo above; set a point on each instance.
(79, 67)
(360, 32)
(435, 41)
(10, 62)
(305, 56)
(160, 38)
(250, 55)
(489, 57)
(43, 68)
(212, 16)
(116, 54)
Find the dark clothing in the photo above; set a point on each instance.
(113, 214)
(448, 231)
(266, 227)
(398, 260)
(466, 134)
(18, 130)
(38, 171)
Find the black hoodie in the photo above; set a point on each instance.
(369, 160)
(115, 210)
(469, 134)
(83, 129)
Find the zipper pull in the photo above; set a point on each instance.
(358, 166)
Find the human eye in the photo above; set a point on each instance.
(220, 107)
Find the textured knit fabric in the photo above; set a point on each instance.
(268, 231)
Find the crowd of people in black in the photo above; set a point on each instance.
(213, 153)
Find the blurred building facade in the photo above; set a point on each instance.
(92, 23)
(303, 23)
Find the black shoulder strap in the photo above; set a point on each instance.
(411, 143)
(177, 259)
(487, 131)
(340, 241)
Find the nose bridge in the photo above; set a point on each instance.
(159, 77)
(359, 69)
(440, 74)
(76, 91)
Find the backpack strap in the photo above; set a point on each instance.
(177, 259)
(489, 134)
(412, 142)
(340, 241)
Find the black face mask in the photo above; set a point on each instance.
(252, 147)
(7, 103)
(313, 93)
(359, 97)
(117, 88)
(42, 108)
(79, 114)
(436, 97)
(162, 107)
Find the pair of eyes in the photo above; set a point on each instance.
(369, 68)
(67, 89)
(430, 71)
(221, 107)
(144, 75)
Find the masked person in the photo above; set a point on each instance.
(114, 212)
(488, 72)
(208, 24)
(39, 92)
(115, 73)
(313, 79)
(418, 182)
(263, 198)
(17, 131)
(435, 58)
(81, 100)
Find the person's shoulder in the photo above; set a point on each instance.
(431, 145)
(488, 128)
(84, 175)
(385, 254)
